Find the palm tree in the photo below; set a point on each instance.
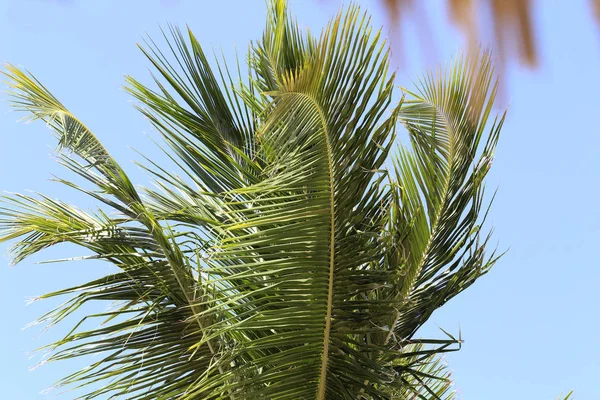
(299, 249)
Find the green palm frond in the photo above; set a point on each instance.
(282, 260)
(440, 188)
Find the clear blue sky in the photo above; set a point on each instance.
(531, 326)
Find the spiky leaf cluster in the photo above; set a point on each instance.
(298, 249)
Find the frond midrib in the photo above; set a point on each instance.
(407, 289)
(327, 333)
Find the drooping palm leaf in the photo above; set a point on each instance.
(282, 261)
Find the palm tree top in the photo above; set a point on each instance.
(298, 248)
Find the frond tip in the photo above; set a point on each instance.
(29, 95)
(282, 260)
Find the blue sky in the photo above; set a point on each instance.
(531, 326)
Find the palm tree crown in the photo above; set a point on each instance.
(298, 249)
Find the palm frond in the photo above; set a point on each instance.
(42, 223)
(440, 190)
(210, 133)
